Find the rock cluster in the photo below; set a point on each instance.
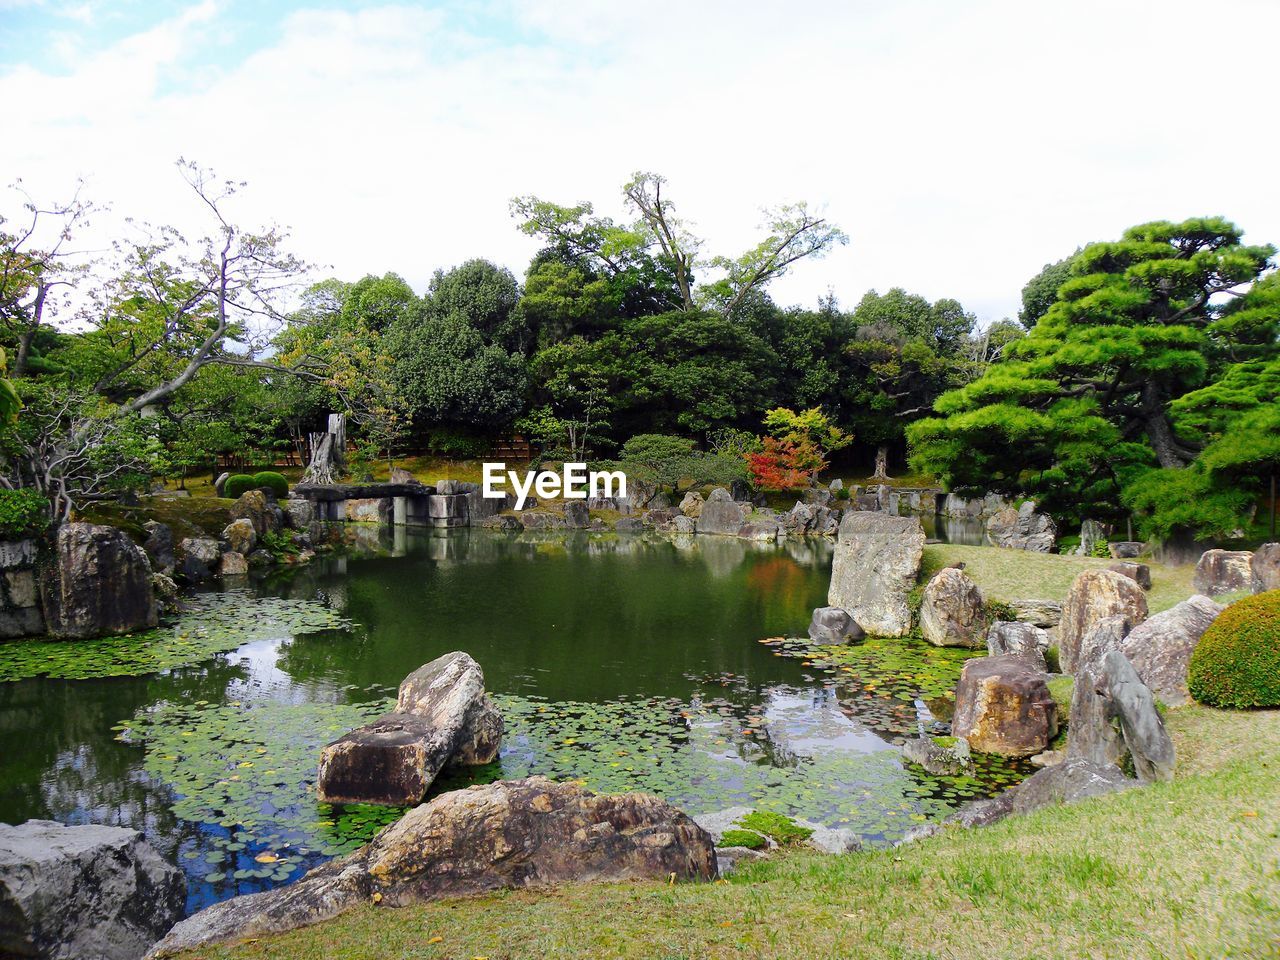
(442, 717)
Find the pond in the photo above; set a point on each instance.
(624, 662)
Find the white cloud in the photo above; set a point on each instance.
(960, 147)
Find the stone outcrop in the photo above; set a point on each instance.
(833, 625)
(1040, 613)
(1003, 706)
(505, 521)
(517, 834)
(722, 516)
(1020, 639)
(198, 558)
(1092, 733)
(1095, 595)
(952, 613)
(299, 513)
(1223, 571)
(442, 716)
(877, 559)
(691, 505)
(83, 893)
(1139, 573)
(20, 613)
(159, 547)
(1160, 648)
(1023, 528)
(1264, 568)
(98, 583)
(541, 520)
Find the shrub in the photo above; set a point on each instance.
(237, 485)
(275, 482)
(1237, 661)
(23, 513)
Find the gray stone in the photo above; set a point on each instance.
(1092, 732)
(1160, 649)
(198, 558)
(1003, 706)
(1072, 780)
(740, 490)
(1224, 571)
(691, 505)
(401, 475)
(576, 514)
(1126, 549)
(84, 892)
(1095, 595)
(300, 513)
(683, 524)
(952, 613)
(233, 564)
(539, 520)
(447, 488)
(946, 759)
(764, 531)
(98, 584)
(833, 625)
(504, 521)
(632, 525)
(1021, 639)
(17, 553)
(836, 485)
(1102, 637)
(1139, 573)
(1264, 569)
(877, 559)
(721, 516)
(240, 536)
(159, 547)
(799, 519)
(1145, 737)
(1023, 529)
(255, 507)
(1092, 533)
(1040, 613)
(720, 495)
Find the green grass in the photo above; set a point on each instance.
(1186, 869)
(1024, 575)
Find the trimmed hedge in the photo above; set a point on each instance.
(23, 513)
(1237, 661)
(237, 485)
(272, 481)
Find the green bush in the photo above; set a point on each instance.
(23, 513)
(237, 485)
(272, 481)
(1237, 661)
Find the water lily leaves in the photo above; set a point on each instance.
(210, 624)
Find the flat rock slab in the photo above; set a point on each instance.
(83, 893)
(1003, 706)
(393, 760)
(511, 834)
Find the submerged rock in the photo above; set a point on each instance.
(98, 583)
(877, 559)
(952, 613)
(84, 892)
(1003, 706)
(1160, 648)
(1094, 596)
(944, 756)
(511, 834)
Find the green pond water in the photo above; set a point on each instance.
(623, 662)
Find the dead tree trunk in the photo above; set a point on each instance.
(328, 452)
(882, 464)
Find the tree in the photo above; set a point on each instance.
(1042, 290)
(486, 297)
(670, 461)
(943, 325)
(1085, 405)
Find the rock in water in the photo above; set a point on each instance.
(691, 505)
(720, 516)
(833, 625)
(1003, 706)
(577, 515)
(952, 613)
(159, 547)
(510, 834)
(1160, 649)
(1022, 639)
(1223, 571)
(937, 755)
(1144, 734)
(442, 717)
(1265, 568)
(877, 558)
(99, 583)
(83, 893)
(198, 558)
(1095, 595)
(1023, 529)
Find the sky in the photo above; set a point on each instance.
(961, 146)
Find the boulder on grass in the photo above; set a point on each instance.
(833, 625)
(952, 613)
(1023, 529)
(1003, 706)
(1264, 568)
(1100, 639)
(1126, 549)
(1040, 613)
(1068, 782)
(1139, 573)
(1145, 737)
(1092, 732)
(513, 834)
(1224, 571)
(1095, 595)
(877, 559)
(1022, 639)
(98, 584)
(84, 892)
(1160, 648)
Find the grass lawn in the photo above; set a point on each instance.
(1187, 869)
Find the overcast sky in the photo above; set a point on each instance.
(960, 145)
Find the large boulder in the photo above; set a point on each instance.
(1265, 568)
(1003, 706)
(519, 834)
(1095, 595)
(691, 505)
(98, 583)
(240, 536)
(833, 625)
(258, 509)
(1160, 648)
(576, 514)
(1040, 613)
(198, 558)
(1023, 528)
(952, 613)
(722, 516)
(159, 547)
(233, 564)
(83, 893)
(1020, 639)
(877, 559)
(299, 512)
(1100, 639)
(442, 717)
(1223, 571)
(1145, 737)
(1139, 573)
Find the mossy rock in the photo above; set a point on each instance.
(1237, 662)
(743, 838)
(780, 829)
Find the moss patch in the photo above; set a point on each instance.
(780, 829)
(743, 838)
